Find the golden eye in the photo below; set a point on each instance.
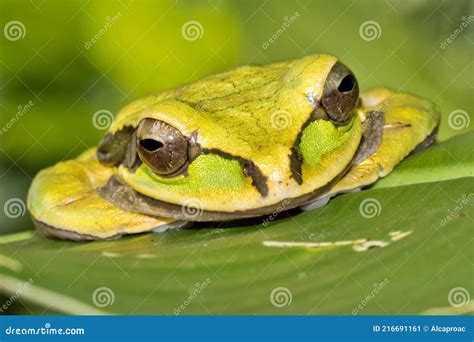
(340, 95)
(161, 146)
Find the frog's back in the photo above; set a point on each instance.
(245, 111)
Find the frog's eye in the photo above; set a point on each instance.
(340, 95)
(161, 146)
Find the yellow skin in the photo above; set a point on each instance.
(252, 114)
(64, 196)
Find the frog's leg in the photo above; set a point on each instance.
(409, 125)
(64, 202)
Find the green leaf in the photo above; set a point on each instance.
(396, 249)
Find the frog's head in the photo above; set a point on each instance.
(239, 141)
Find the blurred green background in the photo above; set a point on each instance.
(62, 61)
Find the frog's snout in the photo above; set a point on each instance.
(341, 94)
(161, 146)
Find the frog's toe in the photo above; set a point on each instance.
(319, 203)
(322, 201)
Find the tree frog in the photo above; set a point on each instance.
(240, 144)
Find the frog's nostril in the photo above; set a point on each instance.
(347, 84)
(151, 145)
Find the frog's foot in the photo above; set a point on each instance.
(395, 125)
(63, 202)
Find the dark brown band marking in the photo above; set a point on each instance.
(296, 161)
(259, 180)
(296, 158)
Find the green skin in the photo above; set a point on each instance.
(260, 137)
